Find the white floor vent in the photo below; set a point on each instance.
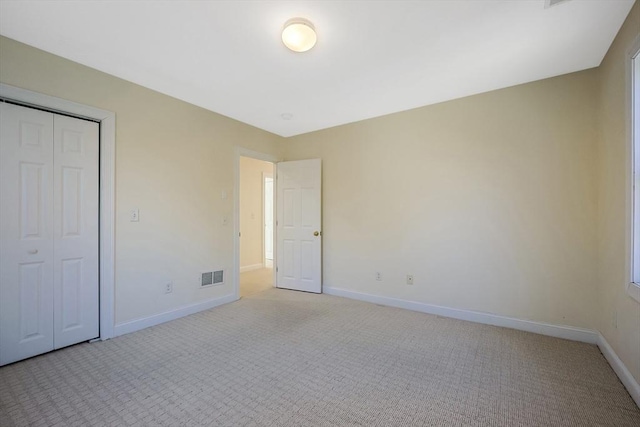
(210, 278)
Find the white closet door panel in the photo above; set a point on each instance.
(76, 230)
(26, 232)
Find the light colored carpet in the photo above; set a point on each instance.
(252, 282)
(284, 358)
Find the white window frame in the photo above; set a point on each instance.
(633, 286)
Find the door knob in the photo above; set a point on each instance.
(32, 251)
(316, 233)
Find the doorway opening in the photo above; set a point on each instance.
(256, 214)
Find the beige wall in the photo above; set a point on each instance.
(252, 210)
(615, 305)
(489, 201)
(173, 160)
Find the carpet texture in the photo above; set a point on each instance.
(283, 358)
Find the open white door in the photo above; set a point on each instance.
(299, 237)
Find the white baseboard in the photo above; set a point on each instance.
(566, 332)
(620, 369)
(145, 322)
(251, 267)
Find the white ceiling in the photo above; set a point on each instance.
(372, 57)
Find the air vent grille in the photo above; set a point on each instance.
(207, 279)
(218, 277)
(212, 278)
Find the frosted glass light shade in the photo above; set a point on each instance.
(299, 35)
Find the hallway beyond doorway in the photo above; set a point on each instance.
(255, 281)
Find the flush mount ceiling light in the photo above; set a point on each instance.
(299, 35)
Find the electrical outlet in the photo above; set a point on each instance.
(378, 276)
(134, 215)
(168, 288)
(409, 279)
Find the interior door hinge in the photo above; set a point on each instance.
(276, 269)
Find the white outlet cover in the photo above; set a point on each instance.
(134, 215)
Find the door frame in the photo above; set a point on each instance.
(107, 120)
(245, 152)
(266, 175)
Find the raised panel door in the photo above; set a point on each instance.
(76, 314)
(299, 235)
(26, 232)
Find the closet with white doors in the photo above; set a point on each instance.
(49, 220)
